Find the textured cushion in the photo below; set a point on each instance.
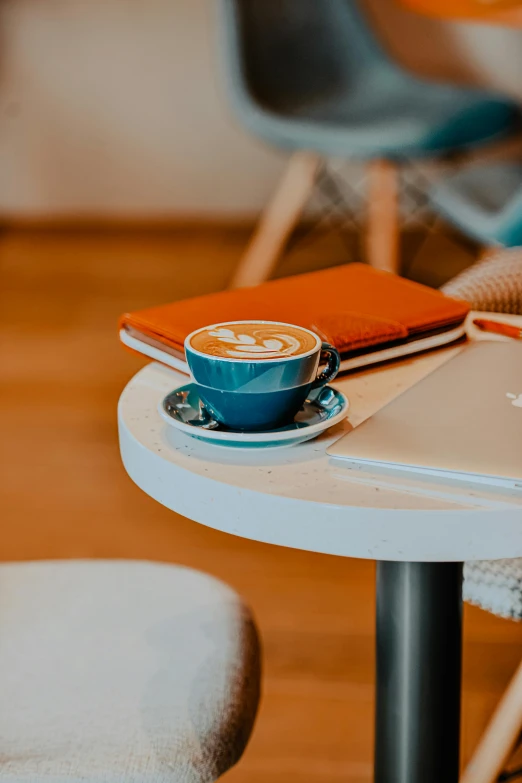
(496, 586)
(122, 672)
(493, 284)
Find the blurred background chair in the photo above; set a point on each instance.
(484, 202)
(310, 78)
(123, 671)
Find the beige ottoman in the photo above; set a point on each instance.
(118, 671)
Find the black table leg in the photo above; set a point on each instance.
(419, 648)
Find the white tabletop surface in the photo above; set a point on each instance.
(301, 498)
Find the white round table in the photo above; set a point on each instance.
(420, 530)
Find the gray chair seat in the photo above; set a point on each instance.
(123, 672)
(484, 202)
(380, 115)
(309, 75)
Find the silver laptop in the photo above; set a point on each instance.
(462, 421)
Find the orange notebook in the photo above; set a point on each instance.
(370, 316)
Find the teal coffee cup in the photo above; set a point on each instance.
(256, 375)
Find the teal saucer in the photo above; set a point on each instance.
(183, 409)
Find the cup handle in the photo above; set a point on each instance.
(329, 356)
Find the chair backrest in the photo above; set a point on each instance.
(276, 50)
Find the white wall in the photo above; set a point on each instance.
(114, 107)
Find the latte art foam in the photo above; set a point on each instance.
(250, 340)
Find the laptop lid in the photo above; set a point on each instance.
(464, 418)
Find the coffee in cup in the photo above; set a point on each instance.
(253, 341)
(254, 375)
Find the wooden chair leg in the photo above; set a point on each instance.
(500, 737)
(382, 243)
(278, 220)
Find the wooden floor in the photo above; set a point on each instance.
(64, 494)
